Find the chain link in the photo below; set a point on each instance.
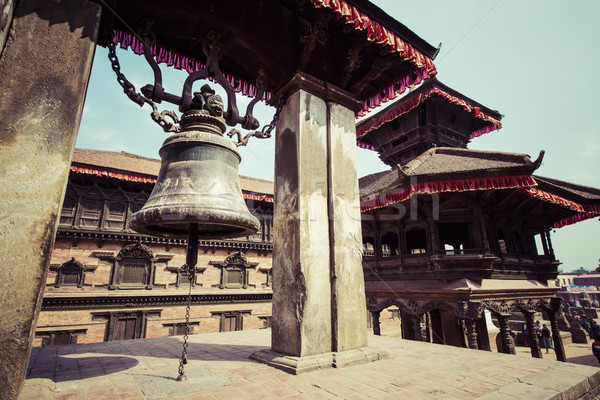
(159, 117)
(265, 132)
(183, 360)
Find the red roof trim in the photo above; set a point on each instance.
(135, 178)
(454, 185)
(109, 174)
(379, 34)
(573, 219)
(180, 61)
(402, 109)
(552, 198)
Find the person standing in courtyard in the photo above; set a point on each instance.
(596, 348)
(546, 337)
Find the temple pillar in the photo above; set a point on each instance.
(485, 241)
(534, 340)
(559, 347)
(376, 324)
(419, 327)
(318, 286)
(434, 237)
(508, 344)
(44, 72)
(377, 246)
(545, 244)
(471, 326)
(549, 243)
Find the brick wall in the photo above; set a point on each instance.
(97, 280)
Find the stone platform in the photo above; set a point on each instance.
(219, 368)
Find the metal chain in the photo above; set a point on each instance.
(265, 132)
(159, 117)
(183, 360)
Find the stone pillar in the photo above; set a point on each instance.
(318, 285)
(470, 324)
(534, 340)
(559, 348)
(44, 71)
(376, 325)
(508, 344)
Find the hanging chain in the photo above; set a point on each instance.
(159, 117)
(265, 132)
(183, 360)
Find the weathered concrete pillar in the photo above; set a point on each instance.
(44, 71)
(318, 286)
(534, 340)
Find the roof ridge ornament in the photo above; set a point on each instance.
(538, 161)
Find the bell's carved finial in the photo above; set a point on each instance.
(209, 101)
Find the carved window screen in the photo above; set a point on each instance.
(67, 214)
(234, 276)
(135, 272)
(116, 216)
(91, 212)
(71, 278)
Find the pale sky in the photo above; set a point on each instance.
(535, 61)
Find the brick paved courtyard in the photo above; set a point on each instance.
(219, 368)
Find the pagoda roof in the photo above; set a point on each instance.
(441, 170)
(352, 44)
(571, 189)
(447, 163)
(135, 168)
(484, 119)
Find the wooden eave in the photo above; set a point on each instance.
(271, 35)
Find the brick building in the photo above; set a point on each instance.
(109, 283)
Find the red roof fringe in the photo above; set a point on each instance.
(133, 178)
(552, 198)
(375, 32)
(115, 175)
(180, 61)
(573, 219)
(455, 185)
(379, 34)
(411, 104)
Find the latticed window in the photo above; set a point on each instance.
(234, 271)
(234, 276)
(71, 273)
(71, 278)
(135, 273)
(91, 212)
(67, 214)
(60, 338)
(134, 266)
(178, 329)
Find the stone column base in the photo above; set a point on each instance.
(297, 365)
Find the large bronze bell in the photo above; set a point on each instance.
(198, 182)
